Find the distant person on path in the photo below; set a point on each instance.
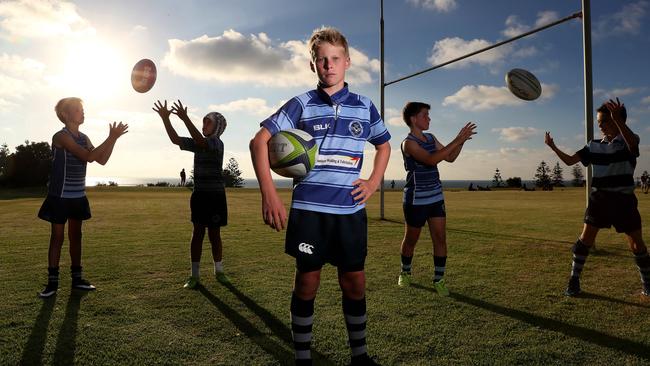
(392, 184)
(183, 177)
(327, 222)
(66, 198)
(208, 201)
(612, 200)
(423, 201)
(645, 183)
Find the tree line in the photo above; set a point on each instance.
(29, 166)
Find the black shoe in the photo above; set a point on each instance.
(363, 360)
(81, 284)
(573, 288)
(49, 291)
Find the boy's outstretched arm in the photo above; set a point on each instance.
(566, 158)
(366, 187)
(274, 213)
(181, 112)
(164, 113)
(92, 154)
(631, 140)
(448, 153)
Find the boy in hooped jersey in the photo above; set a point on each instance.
(327, 222)
(66, 197)
(423, 201)
(611, 200)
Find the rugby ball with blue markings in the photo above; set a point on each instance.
(523, 84)
(292, 153)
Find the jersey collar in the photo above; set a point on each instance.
(336, 98)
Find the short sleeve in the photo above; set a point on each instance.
(585, 155)
(187, 144)
(378, 132)
(285, 118)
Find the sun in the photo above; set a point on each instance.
(94, 70)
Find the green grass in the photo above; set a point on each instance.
(509, 259)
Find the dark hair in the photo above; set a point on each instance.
(603, 109)
(411, 109)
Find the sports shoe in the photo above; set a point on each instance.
(404, 279)
(222, 278)
(81, 284)
(191, 283)
(363, 360)
(573, 288)
(441, 288)
(646, 289)
(49, 291)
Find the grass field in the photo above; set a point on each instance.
(508, 265)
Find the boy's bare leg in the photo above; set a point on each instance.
(74, 236)
(56, 243)
(580, 252)
(214, 234)
(411, 236)
(196, 247)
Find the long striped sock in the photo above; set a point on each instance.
(195, 269)
(355, 322)
(643, 262)
(302, 319)
(406, 263)
(75, 273)
(580, 253)
(53, 276)
(439, 264)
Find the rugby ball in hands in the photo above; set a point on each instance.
(523, 84)
(292, 153)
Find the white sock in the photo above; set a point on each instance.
(218, 267)
(195, 269)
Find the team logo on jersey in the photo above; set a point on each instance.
(356, 129)
(306, 248)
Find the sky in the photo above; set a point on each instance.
(245, 58)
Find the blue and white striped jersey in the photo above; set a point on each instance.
(341, 124)
(68, 174)
(423, 184)
(613, 164)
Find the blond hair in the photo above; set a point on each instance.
(63, 106)
(326, 34)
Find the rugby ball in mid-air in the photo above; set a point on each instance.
(292, 153)
(523, 84)
(143, 75)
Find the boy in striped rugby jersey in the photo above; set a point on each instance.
(612, 200)
(423, 201)
(66, 198)
(327, 221)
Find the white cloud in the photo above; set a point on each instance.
(545, 17)
(236, 58)
(443, 6)
(514, 134)
(514, 27)
(619, 92)
(394, 117)
(451, 48)
(485, 97)
(625, 22)
(18, 77)
(646, 100)
(252, 106)
(41, 19)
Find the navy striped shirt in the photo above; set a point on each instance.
(613, 164)
(208, 163)
(68, 174)
(423, 184)
(341, 124)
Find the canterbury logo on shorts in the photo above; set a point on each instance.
(306, 248)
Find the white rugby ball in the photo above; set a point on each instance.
(523, 84)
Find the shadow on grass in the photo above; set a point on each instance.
(271, 347)
(629, 347)
(66, 340)
(33, 351)
(278, 327)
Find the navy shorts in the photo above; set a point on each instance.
(607, 209)
(316, 238)
(417, 215)
(58, 210)
(209, 209)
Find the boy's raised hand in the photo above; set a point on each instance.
(616, 110)
(116, 130)
(467, 131)
(161, 109)
(179, 110)
(548, 140)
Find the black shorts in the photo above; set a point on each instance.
(316, 238)
(209, 209)
(417, 215)
(58, 210)
(612, 208)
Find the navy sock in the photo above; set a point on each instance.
(439, 264)
(406, 263)
(355, 322)
(643, 262)
(580, 253)
(302, 319)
